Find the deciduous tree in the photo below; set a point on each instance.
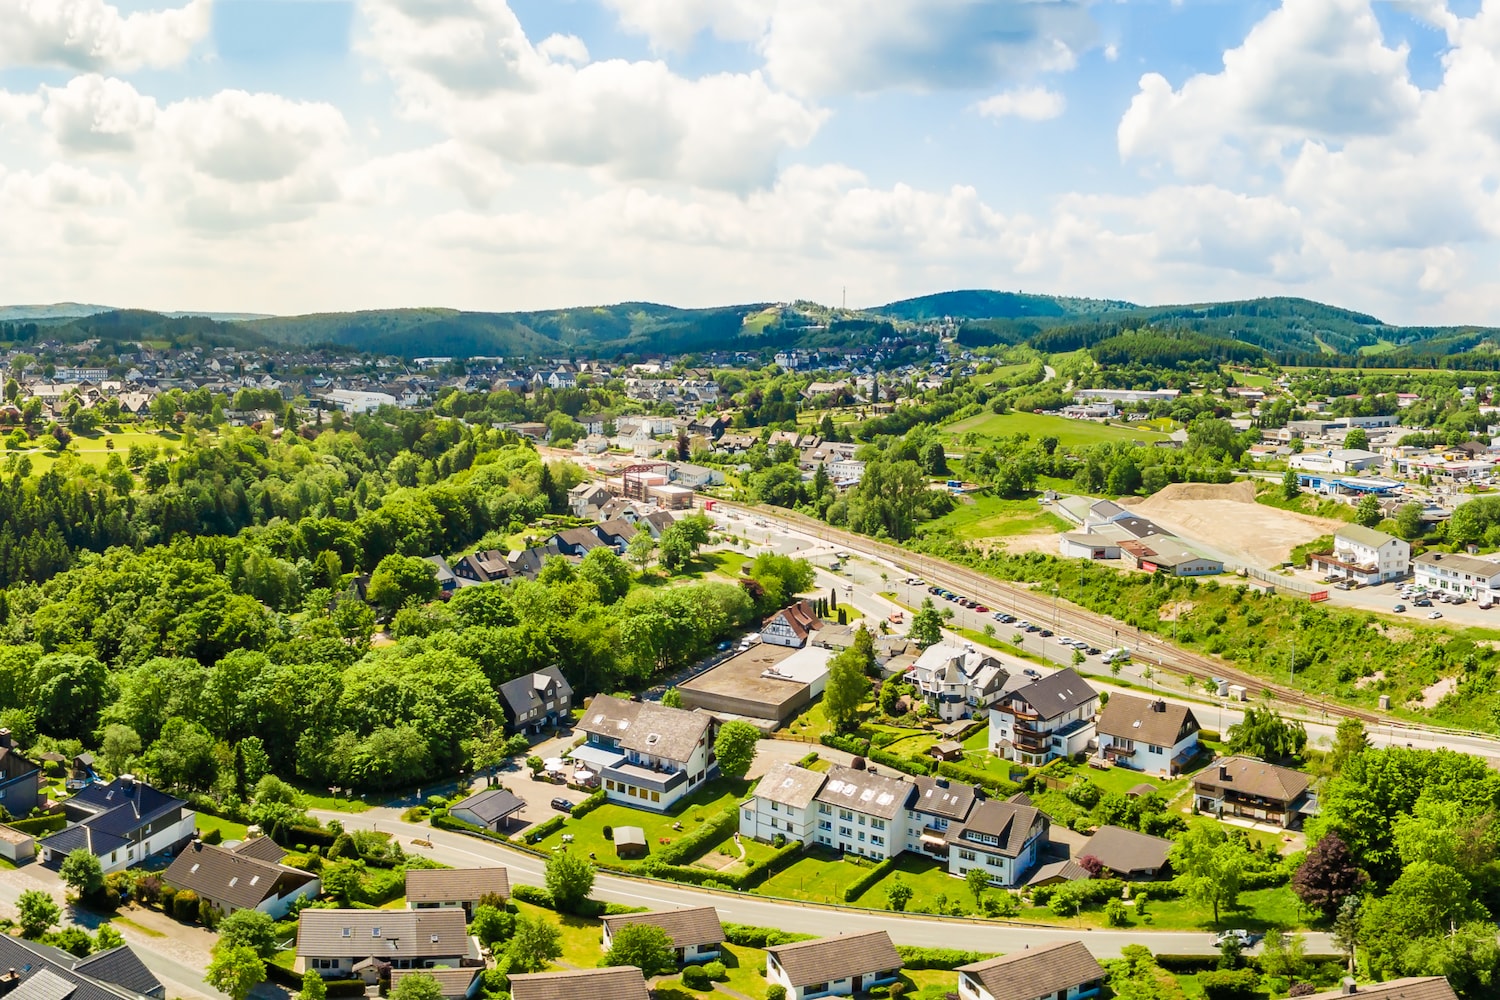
(644, 946)
(735, 748)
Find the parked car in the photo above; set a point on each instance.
(1422, 602)
(982, 609)
(1033, 673)
(562, 805)
(1399, 608)
(1005, 619)
(1093, 651)
(1046, 633)
(1033, 628)
(1434, 614)
(1244, 937)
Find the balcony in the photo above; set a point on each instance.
(646, 777)
(1115, 751)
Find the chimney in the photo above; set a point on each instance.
(941, 782)
(127, 781)
(1347, 987)
(9, 981)
(5, 738)
(197, 843)
(1159, 705)
(1223, 772)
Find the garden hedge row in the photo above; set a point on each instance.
(750, 936)
(992, 783)
(949, 959)
(39, 825)
(869, 878)
(589, 804)
(690, 845)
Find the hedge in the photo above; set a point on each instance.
(40, 825)
(542, 830)
(282, 976)
(345, 988)
(709, 832)
(750, 936)
(1230, 984)
(993, 783)
(445, 822)
(948, 959)
(909, 765)
(869, 878)
(589, 804)
(537, 896)
(291, 836)
(848, 744)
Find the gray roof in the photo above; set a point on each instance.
(524, 694)
(30, 960)
(1251, 776)
(1010, 824)
(122, 967)
(1143, 720)
(241, 881)
(1125, 851)
(491, 804)
(1034, 972)
(442, 885)
(697, 925)
(1058, 693)
(790, 785)
(1361, 535)
(1414, 988)
(453, 982)
(386, 934)
(621, 982)
(261, 848)
(647, 727)
(862, 791)
(44, 984)
(941, 797)
(1474, 566)
(831, 958)
(1067, 871)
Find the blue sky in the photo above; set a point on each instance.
(307, 155)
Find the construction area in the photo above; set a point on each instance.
(1227, 519)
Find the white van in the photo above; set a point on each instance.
(1117, 655)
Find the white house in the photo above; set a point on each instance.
(455, 888)
(1340, 460)
(1458, 574)
(1086, 545)
(649, 755)
(1002, 838)
(1050, 717)
(1148, 735)
(695, 931)
(1061, 971)
(333, 942)
(122, 823)
(792, 625)
(1364, 555)
(958, 681)
(833, 966)
(860, 812)
(782, 805)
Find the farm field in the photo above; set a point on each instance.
(995, 517)
(1071, 433)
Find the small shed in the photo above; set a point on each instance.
(492, 809)
(1144, 788)
(947, 750)
(15, 846)
(630, 842)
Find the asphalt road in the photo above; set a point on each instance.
(462, 851)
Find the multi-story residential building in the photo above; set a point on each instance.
(649, 755)
(1148, 735)
(1050, 717)
(860, 812)
(1061, 971)
(121, 823)
(1469, 576)
(1252, 789)
(782, 805)
(958, 681)
(936, 805)
(1364, 555)
(536, 700)
(1002, 838)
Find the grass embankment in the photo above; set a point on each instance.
(996, 517)
(1069, 433)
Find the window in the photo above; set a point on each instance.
(656, 796)
(877, 840)
(861, 836)
(374, 932)
(966, 855)
(844, 831)
(845, 814)
(861, 821)
(775, 807)
(325, 964)
(878, 824)
(824, 810)
(1154, 748)
(823, 824)
(994, 862)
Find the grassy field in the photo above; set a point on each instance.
(95, 447)
(581, 942)
(229, 829)
(812, 724)
(1258, 910)
(1040, 425)
(1305, 503)
(1004, 373)
(747, 975)
(818, 877)
(588, 831)
(994, 517)
(321, 798)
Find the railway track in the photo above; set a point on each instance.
(1100, 630)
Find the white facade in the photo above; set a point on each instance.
(1340, 460)
(957, 681)
(1370, 556)
(1149, 758)
(844, 828)
(1034, 742)
(1471, 577)
(764, 820)
(1003, 871)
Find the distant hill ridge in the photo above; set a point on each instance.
(1292, 330)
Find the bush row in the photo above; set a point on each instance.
(992, 783)
(848, 744)
(544, 829)
(537, 896)
(869, 878)
(39, 825)
(910, 765)
(737, 881)
(690, 845)
(303, 836)
(913, 957)
(589, 804)
(749, 936)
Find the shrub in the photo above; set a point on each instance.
(695, 977)
(185, 906)
(716, 971)
(913, 957)
(609, 833)
(589, 804)
(214, 836)
(1115, 914)
(775, 992)
(869, 878)
(544, 829)
(747, 936)
(1230, 984)
(167, 897)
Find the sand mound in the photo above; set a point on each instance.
(1241, 492)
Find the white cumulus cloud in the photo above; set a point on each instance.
(1034, 104)
(94, 114)
(94, 35)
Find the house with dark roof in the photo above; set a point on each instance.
(1411, 988)
(656, 522)
(1130, 855)
(1061, 971)
(528, 562)
(121, 823)
(648, 755)
(616, 533)
(534, 701)
(575, 541)
(229, 881)
(585, 498)
(1002, 839)
(935, 805)
(1051, 717)
(1148, 735)
(792, 625)
(621, 982)
(443, 573)
(695, 931)
(33, 971)
(333, 942)
(1252, 789)
(261, 849)
(491, 809)
(483, 566)
(20, 779)
(833, 966)
(460, 888)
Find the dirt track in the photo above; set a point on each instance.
(1228, 519)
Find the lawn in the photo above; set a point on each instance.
(929, 984)
(581, 936)
(321, 798)
(819, 876)
(994, 517)
(1070, 433)
(812, 724)
(588, 832)
(228, 828)
(747, 975)
(95, 447)
(713, 858)
(928, 880)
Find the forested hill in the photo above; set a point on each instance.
(985, 304)
(1291, 330)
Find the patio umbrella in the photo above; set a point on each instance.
(554, 764)
(582, 774)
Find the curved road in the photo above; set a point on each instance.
(462, 851)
